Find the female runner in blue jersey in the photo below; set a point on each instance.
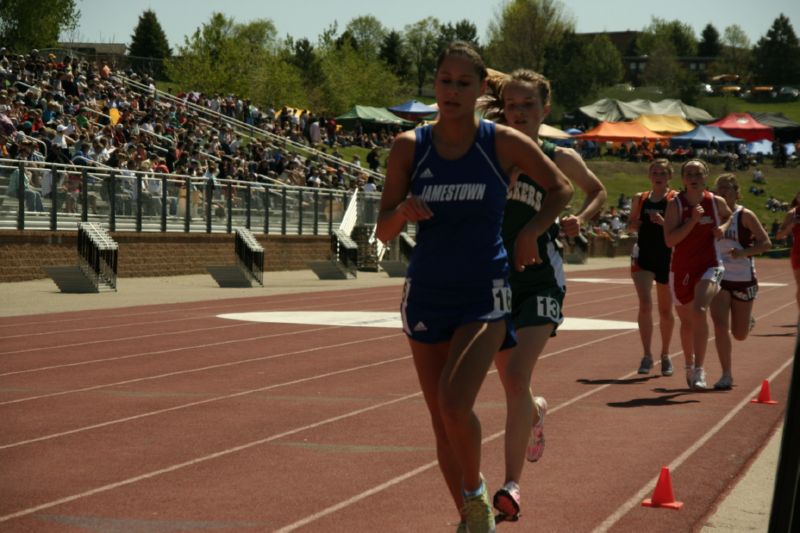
(452, 179)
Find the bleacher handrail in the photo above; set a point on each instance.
(243, 125)
(350, 216)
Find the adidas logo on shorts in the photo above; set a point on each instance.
(426, 173)
(420, 327)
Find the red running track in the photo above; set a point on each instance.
(168, 418)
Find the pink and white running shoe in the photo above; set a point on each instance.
(536, 442)
(506, 500)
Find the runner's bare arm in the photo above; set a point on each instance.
(761, 241)
(573, 166)
(397, 207)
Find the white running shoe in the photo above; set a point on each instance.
(689, 375)
(699, 378)
(536, 441)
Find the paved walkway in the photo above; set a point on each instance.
(747, 507)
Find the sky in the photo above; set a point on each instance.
(109, 21)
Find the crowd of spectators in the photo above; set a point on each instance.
(67, 110)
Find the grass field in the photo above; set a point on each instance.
(630, 178)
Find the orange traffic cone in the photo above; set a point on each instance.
(764, 395)
(662, 496)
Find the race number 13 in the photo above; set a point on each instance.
(547, 307)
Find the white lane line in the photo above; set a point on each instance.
(199, 402)
(636, 499)
(346, 503)
(273, 299)
(199, 369)
(164, 321)
(143, 354)
(365, 494)
(159, 352)
(198, 460)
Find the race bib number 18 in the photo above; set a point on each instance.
(502, 299)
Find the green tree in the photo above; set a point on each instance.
(393, 54)
(243, 59)
(149, 47)
(605, 61)
(679, 35)
(662, 69)
(463, 30)
(522, 30)
(736, 56)
(579, 67)
(709, 45)
(29, 24)
(420, 44)
(777, 55)
(351, 79)
(367, 33)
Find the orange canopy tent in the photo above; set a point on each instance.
(620, 131)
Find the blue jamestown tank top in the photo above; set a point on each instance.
(462, 242)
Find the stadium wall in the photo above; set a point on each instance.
(24, 253)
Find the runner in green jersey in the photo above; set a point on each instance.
(522, 100)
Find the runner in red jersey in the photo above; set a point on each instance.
(691, 227)
(791, 224)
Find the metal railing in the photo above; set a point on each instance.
(123, 200)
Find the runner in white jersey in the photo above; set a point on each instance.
(732, 308)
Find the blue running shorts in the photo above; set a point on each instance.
(431, 314)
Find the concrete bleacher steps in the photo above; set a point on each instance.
(330, 270)
(231, 276)
(73, 279)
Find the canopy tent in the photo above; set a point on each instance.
(786, 130)
(744, 126)
(620, 131)
(413, 109)
(372, 116)
(765, 147)
(611, 110)
(667, 124)
(550, 132)
(702, 136)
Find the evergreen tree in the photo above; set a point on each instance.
(393, 54)
(29, 24)
(709, 45)
(149, 47)
(777, 54)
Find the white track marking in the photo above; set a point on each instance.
(355, 498)
(636, 499)
(199, 369)
(392, 320)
